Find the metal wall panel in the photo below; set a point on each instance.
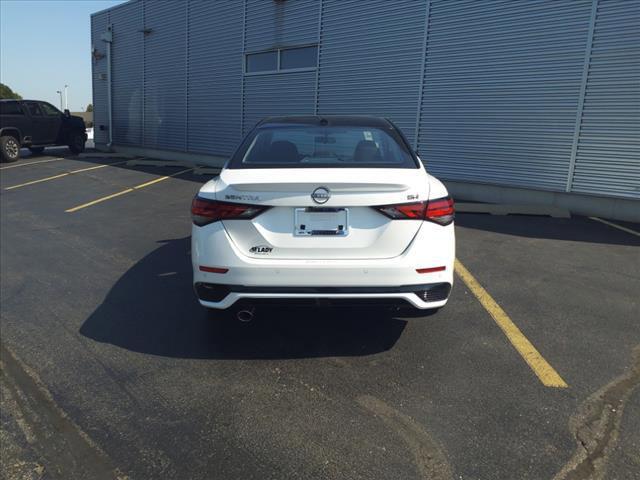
(165, 80)
(608, 154)
(540, 94)
(214, 77)
(277, 94)
(270, 24)
(501, 88)
(370, 59)
(283, 23)
(126, 68)
(99, 81)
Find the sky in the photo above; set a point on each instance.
(45, 44)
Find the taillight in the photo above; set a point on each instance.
(440, 211)
(404, 211)
(205, 211)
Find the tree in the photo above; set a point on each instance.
(6, 92)
(90, 107)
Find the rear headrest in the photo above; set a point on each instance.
(367, 151)
(284, 151)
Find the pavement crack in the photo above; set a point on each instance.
(429, 455)
(65, 450)
(596, 426)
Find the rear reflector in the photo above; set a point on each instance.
(431, 269)
(205, 211)
(213, 269)
(440, 211)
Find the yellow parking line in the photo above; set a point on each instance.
(615, 225)
(97, 167)
(544, 371)
(128, 190)
(37, 181)
(142, 185)
(31, 163)
(33, 182)
(146, 184)
(99, 200)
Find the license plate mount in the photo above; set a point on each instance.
(321, 222)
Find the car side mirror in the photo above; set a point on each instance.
(67, 113)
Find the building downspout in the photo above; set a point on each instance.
(107, 37)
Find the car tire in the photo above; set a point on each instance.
(76, 142)
(9, 148)
(36, 150)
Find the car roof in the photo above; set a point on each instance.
(330, 120)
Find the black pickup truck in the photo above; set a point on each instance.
(35, 125)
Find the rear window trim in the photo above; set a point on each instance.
(235, 161)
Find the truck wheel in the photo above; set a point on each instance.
(9, 148)
(76, 143)
(36, 150)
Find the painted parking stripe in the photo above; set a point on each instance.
(33, 182)
(99, 200)
(123, 192)
(32, 163)
(543, 370)
(615, 225)
(146, 184)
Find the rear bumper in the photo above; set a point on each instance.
(390, 279)
(424, 296)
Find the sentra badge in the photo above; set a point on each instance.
(252, 198)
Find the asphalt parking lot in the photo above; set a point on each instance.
(110, 368)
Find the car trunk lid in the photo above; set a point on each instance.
(338, 223)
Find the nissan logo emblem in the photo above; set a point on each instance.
(321, 195)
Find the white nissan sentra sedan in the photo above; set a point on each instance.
(323, 210)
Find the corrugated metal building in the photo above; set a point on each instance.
(519, 100)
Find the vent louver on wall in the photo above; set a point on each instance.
(608, 150)
(99, 85)
(370, 60)
(127, 69)
(501, 90)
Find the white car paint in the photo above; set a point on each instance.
(377, 253)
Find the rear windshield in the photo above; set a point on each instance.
(322, 146)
